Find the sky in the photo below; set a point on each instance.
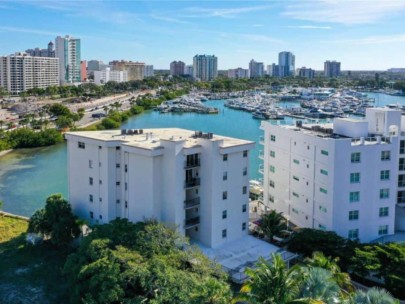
(362, 35)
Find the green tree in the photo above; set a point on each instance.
(272, 224)
(373, 296)
(58, 109)
(64, 122)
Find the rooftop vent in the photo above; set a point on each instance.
(200, 134)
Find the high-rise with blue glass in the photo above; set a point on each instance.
(67, 49)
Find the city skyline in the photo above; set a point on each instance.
(158, 32)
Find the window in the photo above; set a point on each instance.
(117, 148)
(91, 198)
(225, 195)
(354, 196)
(100, 216)
(272, 154)
(244, 190)
(401, 180)
(243, 226)
(100, 147)
(225, 157)
(126, 186)
(126, 168)
(244, 208)
(385, 174)
(353, 234)
(271, 184)
(322, 208)
(355, 178)
(117, 183)
(296, 178)
(244, 171)
(245, 153)
(384, 193)
(271, 198)
(324, 152)
(272, 169)
(383, 211)
(323, 190)
(100, 199)
(401, 164)
(295, 210)
(225, 176)
(126, 204)
(224, 233)
(100, 181)
(353, 215)
(273, 137)
(117, 201)
(402, 147)
(90, 164)
(295, 194)
(81, 145)
(90, 181)
(355, 157)
(296, 161)
(385, 155)
(117, 165)
(224, 214)
(324, 172)
(322, 227)
(401, 197)
(382, 230)
(91, 214)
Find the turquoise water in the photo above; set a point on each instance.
(29, 176)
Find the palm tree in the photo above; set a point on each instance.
(270, 282)
(212, 292)
(1, 124)
(373, 296)
(272, 223)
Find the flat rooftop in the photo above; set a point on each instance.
(151, 138)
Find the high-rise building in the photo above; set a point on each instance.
(197, 182)
(68, 51)
(332, 69)
(306, 72)
(286, 64)
(189, 70)
(205, 67)
(94, 65)
(341, 177)
(238, 73)
(256, 69)
(149, 71)
(177, 68)
(136, 70)
(21, 72)
(37, 52)
(106, 75)
(272, 70)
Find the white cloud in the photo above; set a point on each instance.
(27, 31)
(197, 12)
(168, 19)
(347, 12)
(310, 27)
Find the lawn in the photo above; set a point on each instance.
(28, 274)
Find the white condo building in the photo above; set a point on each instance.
(20, 72)
(341, 177)
(106, 75)
(195, 181)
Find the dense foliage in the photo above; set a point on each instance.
(122, 262)
(27, 138)
(55, 221)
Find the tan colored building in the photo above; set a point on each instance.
(135, 70)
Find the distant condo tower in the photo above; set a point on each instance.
(256, 69)
(68, 52)
(205, 67)
(332, 69)
(177, 68)
(286, 64)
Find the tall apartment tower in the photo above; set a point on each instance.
(256, 69)
(197, 182)
(332, 69)
(341, 177)
(149, 72)
(135, 70)
(20, 72)
(286, 64)
(272, 70)
(67, 49)
(306, 73)
(205, 67)
(177, 68)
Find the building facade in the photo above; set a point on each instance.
(21, 72)
(197, 182)
(135, 70)
(189, 70)
(106, 75)
(286, 64)
(331, 69)
(205, 67)
(238, 73)
(306, 73)
(83, 72)
(341, 177)
(149, 72)
(256, 69)
(177, 68)
(68, 50)
(272, 70)
(37, 52)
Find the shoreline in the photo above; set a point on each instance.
(3, 213)
(4, 152)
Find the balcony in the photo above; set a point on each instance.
(191, 203)
(193, 182)
(192, 222)
(191, 164)
(261, 154)
(261, 140)
(261, 169)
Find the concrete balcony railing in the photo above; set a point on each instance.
(193, 182)
(261, 154)
(192, 222)
(261, 169)
(191, 164)
(261, 140)
(191, 203)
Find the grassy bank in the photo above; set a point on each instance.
(28, 274)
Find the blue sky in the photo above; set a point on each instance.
(361, 34)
